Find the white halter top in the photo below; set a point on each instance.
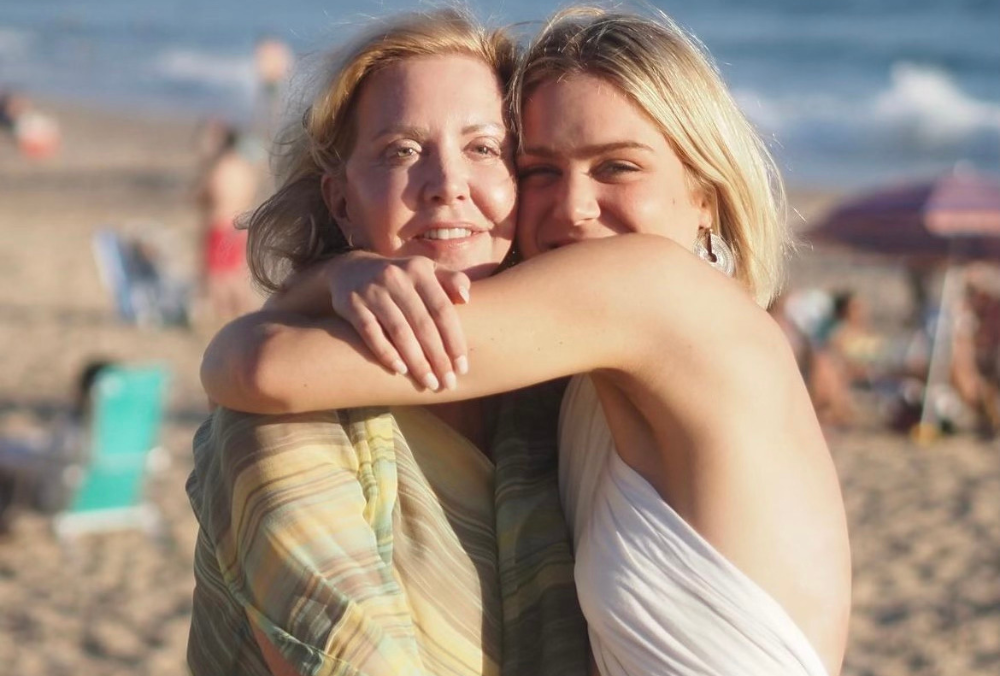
(658, 598)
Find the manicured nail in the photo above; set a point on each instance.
(462, 365)
(399, 367)
(431, 382)
(463, 292)
(450, 381)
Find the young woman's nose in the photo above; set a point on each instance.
(578, 203)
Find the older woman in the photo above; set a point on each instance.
(370, 541)
(707, 519)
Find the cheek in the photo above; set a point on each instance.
(497, 196)
(377, 211)
(530, 215)
(666, 213)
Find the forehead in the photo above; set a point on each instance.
(582, 108)
(451, 86)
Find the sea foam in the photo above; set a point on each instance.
(208, 69)
(920, 106)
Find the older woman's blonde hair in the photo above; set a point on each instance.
(668, 75)
(294, 228)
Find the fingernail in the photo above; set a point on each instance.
(462, 365)
(431, 382)
(450, 381)
(399, 367)
(463, 291)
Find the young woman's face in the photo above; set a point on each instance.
(430, 173)
(594, 165)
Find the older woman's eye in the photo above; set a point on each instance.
(399, 153)
(486, 149)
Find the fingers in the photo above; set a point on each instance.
(450, 288)
(404, 310)
(432, 317)
(369, 328)
(412, 288)
(456, 284)
(391, 339)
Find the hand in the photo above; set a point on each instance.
(404, 310)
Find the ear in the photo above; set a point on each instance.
(335, 198)
(707, 204)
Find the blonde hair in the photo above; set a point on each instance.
(669, 76)
(294, 228)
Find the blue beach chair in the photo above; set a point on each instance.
(142, 294)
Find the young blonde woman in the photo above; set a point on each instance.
(370, 541)
(707, 518)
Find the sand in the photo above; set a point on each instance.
(925, 522)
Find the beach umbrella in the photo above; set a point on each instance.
(953, 218)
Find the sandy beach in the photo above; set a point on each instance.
(925, 521)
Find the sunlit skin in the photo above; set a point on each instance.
(678, 352)
(431, 158)
(594, 165)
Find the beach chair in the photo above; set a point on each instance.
(142, 294)
(126, 420)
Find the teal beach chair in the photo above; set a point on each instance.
(126, 420)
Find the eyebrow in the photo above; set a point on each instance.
(586, 151)
(421, 132)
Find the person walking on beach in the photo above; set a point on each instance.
(226, 190)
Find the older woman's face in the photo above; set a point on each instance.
(595, 165)
(430, 173)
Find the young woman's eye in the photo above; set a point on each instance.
(535, 171)
(617, 168)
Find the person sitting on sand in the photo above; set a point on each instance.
(40, 464)
(36, 133)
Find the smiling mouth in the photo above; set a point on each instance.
(446, 233)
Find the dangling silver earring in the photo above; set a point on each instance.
(715, 251)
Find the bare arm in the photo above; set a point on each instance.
(616, 304)
(724, 428)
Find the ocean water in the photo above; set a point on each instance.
(848, 92)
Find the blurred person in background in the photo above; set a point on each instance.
(975, 361)
(226, 189)
(41, 463)
(36, 133)
(273, 61)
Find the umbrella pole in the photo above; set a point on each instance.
(938, 370)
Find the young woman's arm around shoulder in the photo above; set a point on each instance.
(598, 305)
(735, 450)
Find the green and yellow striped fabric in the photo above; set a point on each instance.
(374, 542)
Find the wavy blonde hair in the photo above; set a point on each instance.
(670, 77)
(294, 228)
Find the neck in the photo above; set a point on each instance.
(466, 418)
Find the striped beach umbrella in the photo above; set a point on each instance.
(955, 216)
